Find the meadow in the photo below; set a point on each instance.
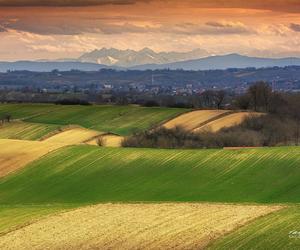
(122, 120)
(89, 175)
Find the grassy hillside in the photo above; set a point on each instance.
(86, 174)
(121, 120)
(13, 217)
(279, 230)
(26, 131)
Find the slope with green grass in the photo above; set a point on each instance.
(13, 217)
(26, 131)
(280, 230)
(122, 120)
(87, 174)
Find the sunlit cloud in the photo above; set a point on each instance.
(57, 29)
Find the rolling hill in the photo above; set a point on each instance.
(87, 174)
(122, 120)
(224, 62)
(147, 59)
(49, 66)
(96, 197)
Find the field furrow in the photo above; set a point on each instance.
(73, 136)
(192, 120)
(134, 226)
(226, 121)
(15, 154)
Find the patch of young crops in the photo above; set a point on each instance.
(14, 217)
(87, 174)
(122, 120)
(25, 131)
(280, 230)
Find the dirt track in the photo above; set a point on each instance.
(134, 226)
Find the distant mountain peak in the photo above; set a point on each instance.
(130, 58)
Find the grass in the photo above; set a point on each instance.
(280, 230)
(13, 217)
(26, 131)
(87, 174)
(123, 120)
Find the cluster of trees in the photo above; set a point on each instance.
(5, 118)
(178, 138)
(278, 127)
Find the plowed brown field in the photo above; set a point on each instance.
(73, 136)
(226, 121)
(194, 119)
(134, 226)
(15, 154)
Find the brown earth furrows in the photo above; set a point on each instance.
(134, 226)
(73, 136)
(227, 121)
(15, 154)
(194, 119)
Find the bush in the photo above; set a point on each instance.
(72, 102)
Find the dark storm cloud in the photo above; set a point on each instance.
(295, 27)
(62, 3)
(292, 6)
(274, 5)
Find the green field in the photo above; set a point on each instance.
(13, 217)
(87, 174)
(26, 131)
(122, 120)
(279, 230)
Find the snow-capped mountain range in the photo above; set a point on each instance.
(130, 58)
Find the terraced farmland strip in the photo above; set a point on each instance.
(122, 120)
(134, 226)
(226, 121)
(194, 119)
(86, 174)
(25, 131)
(15, 154)
(73, 136)
(279, 230)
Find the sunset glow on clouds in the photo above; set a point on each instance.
(51, 29)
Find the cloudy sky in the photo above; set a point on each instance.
(50, 29)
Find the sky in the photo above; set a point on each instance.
(51, 29)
